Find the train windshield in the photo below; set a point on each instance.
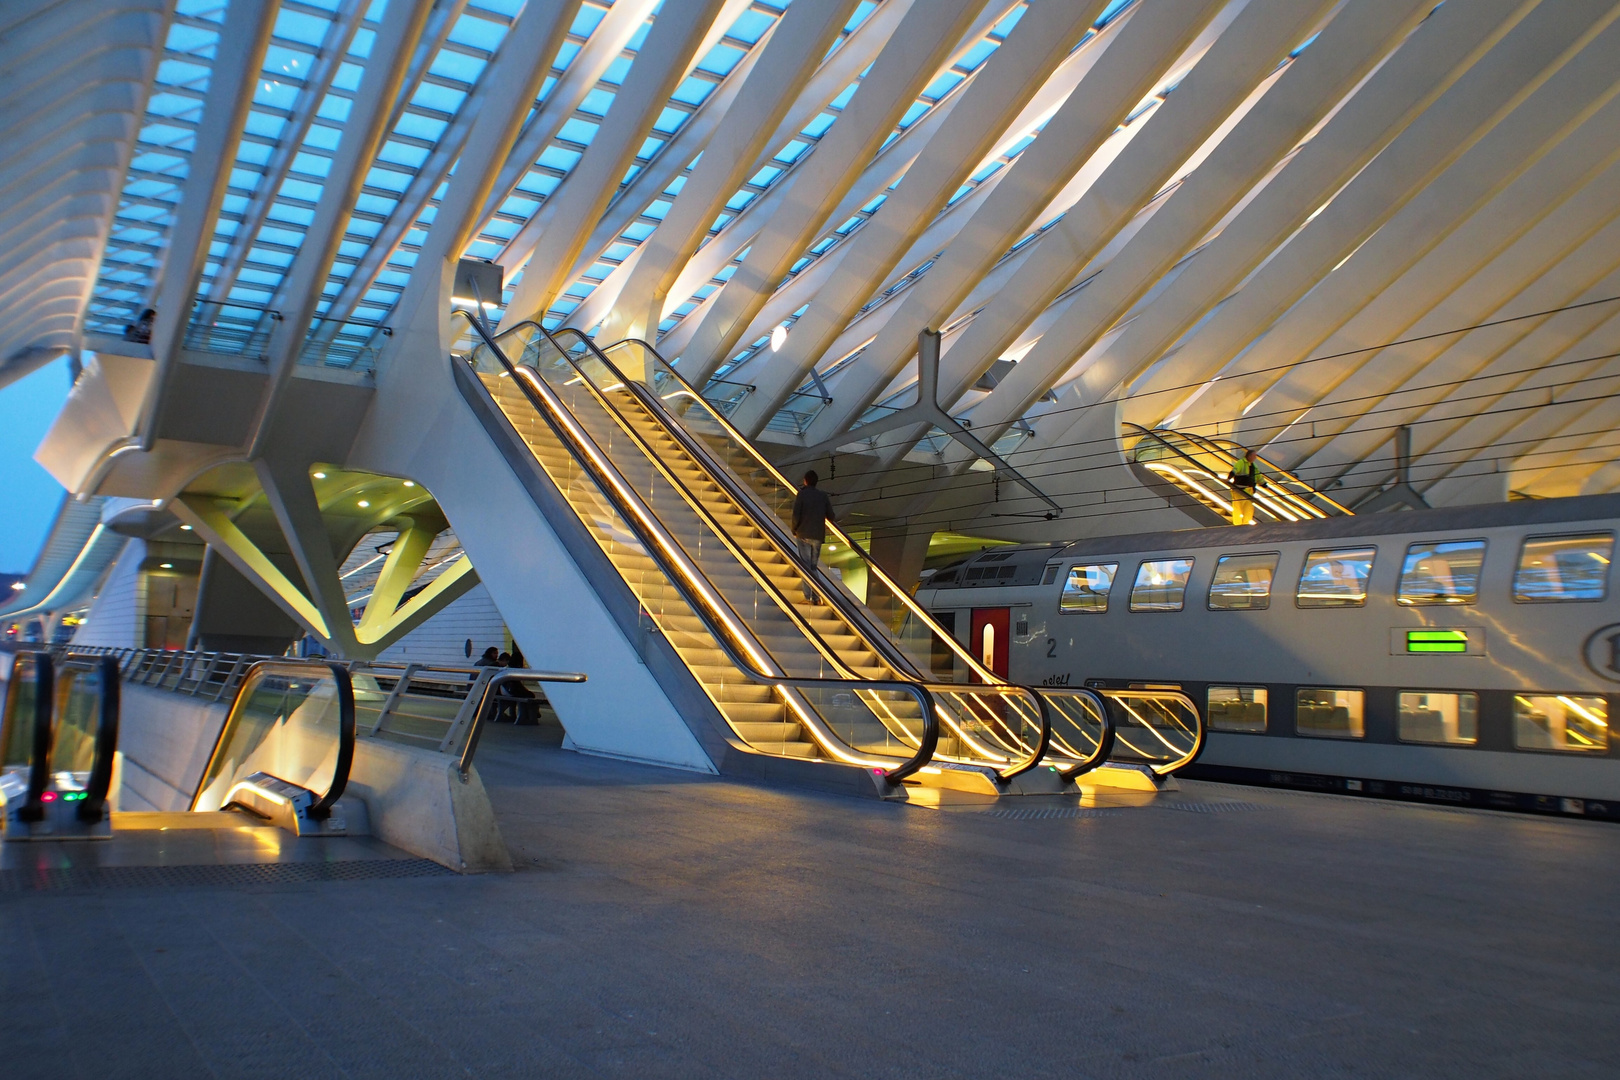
(1563, 568)
(1086, 587)
(1335, 578)
(1443, 572)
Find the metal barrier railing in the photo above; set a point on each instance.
(432, 707)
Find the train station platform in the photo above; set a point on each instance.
(665, 924)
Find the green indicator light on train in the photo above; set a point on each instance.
(1437, 641)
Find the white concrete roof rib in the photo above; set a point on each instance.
(1164, 212)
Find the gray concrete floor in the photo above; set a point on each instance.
(666, 925)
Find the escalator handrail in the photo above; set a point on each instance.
(1083, 763)
(1031, 752)
(664, 552)
(783, 604)
(39, 762)
(96, 788)
(322, 807)
(1199, 735)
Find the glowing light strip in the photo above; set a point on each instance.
(67, 576)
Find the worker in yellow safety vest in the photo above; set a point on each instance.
(1244, 476)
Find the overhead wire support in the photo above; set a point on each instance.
(927, 410)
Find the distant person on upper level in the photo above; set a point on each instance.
(141, 329)
(812, 509)
(1244, 476)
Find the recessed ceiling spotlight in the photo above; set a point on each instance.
(410, 483)
(166, 566)
(364, 504)
(320, 476)
(185, 528)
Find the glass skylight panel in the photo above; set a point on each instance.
(478, 33)
(577, 131)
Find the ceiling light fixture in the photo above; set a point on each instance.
(320, 476)
(778, 338)
(166, 566)
(364, 504)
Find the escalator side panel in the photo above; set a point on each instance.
(701, 717)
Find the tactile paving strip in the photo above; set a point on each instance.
(1038, 813)
(232, 875)
(1209, 807)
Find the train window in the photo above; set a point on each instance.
(1329, 714)
(1237, 708)
(1441, 572)
(1427, 717)
(1335, 578)
(1561, 722)
(1086, 587)
(1242, 583)
(1161, 585)
(1563, 568)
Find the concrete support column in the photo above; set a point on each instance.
(900, 551)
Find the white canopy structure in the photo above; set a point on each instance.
(1303, 225)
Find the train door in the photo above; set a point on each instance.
(991, 637)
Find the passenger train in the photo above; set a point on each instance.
(1467, 655)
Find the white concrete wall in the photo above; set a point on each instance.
(443, 638)
(165, 740)
(115, 618)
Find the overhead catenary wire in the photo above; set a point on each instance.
(882, 444)
(1138, 499)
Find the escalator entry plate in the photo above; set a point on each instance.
(286, 805)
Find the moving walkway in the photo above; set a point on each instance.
(691, 518)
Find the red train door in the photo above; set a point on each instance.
(991, 637)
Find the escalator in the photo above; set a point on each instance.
(282, 756)
(1189, 471)
(285, 750)
(691, 520)
(1155, 732)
